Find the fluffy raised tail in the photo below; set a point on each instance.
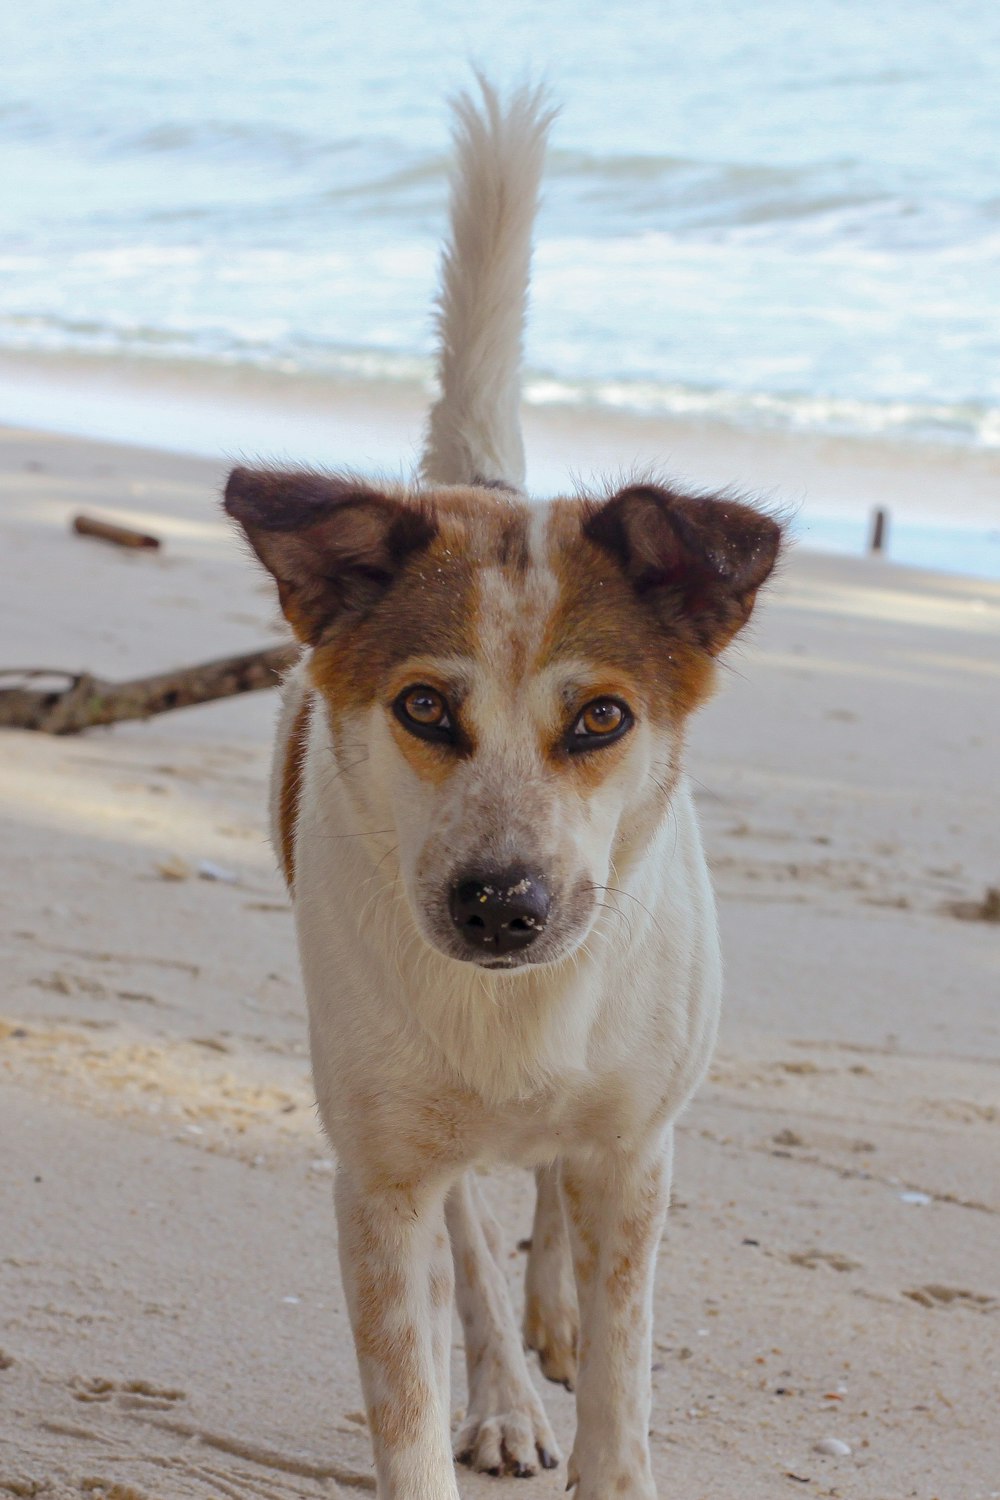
(474, 432)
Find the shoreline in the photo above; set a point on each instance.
(828, 484)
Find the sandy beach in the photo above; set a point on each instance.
(171, 1320)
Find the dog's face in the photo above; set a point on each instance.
(507, 683)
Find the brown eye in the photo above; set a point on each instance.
(600, 723)
(425, 706)
(424, 712)
(602, 717)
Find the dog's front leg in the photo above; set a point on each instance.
(397, 1278)
(551, 1323)
(506, 1429)
(616, 1207)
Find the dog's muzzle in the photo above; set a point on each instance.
(499, 911)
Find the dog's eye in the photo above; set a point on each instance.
(600, 723)
(424, 712)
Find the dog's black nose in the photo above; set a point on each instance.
(499, 911)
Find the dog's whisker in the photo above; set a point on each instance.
(365, 833)
(381, 890)
(615, 911)
(618, 890)
(342, 770)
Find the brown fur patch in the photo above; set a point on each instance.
(377, 1290)
(439, 1135)
(696, 560)
(601, 619)
(333, 543)
(389, 1339)
(291, 787)
(394, 1161)
(399, 1422)
(431, 761)
(638, 1233)
(586, 1249)
(392, 1347)
(588, 770)
(429, 610)
(640, 646)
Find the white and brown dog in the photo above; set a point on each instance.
(505, 921)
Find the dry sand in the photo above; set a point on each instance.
(172, 1321)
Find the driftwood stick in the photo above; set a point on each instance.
(86, 701)
(114, 531)
(879, 528)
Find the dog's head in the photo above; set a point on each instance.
(507, 684)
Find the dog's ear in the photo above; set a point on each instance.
(698, 561)
(333, 544)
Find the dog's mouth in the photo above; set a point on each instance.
(508, 963)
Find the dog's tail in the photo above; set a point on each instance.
(474, 432)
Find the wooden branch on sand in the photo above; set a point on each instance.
(113, 531)
(86, 701)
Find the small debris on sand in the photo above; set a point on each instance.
(986, 910)
(813, 1258)
(935, 1295)
(209, 870)
(834, 1447)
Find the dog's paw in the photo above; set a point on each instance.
(552, 1331)
(594, 1478)
(517, 1442)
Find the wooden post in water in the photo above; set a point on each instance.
(880, 527)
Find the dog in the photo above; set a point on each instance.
(507, 932)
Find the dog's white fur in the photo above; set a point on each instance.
(428, 1067)
(474, 432)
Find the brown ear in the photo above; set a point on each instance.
(333, 544)
(698, 561)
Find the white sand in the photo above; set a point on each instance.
(172, 1321)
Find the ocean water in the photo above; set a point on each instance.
(779, 214)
